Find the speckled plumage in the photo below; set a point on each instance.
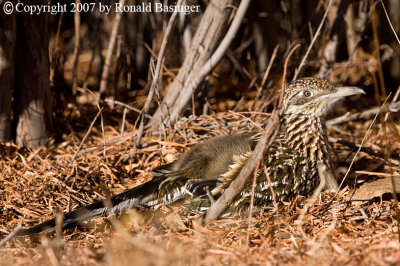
(301, 144)
(297, 162)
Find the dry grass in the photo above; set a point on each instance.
(35, 184)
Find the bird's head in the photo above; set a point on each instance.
(314, 96)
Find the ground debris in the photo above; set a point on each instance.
(39, 183)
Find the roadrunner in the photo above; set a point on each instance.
(297, 162)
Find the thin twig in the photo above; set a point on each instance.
(271, 61)
(77, 21)
(376, 50)
(10, 235)
(101, 123)
(395, 97)
(87, 133)
(117, 70)
(110, 49)
(274, 201)
(237, 65)
(157, 71)
(313, 41)
(387, 114)
(359, 149)
(209, 194)
(253, 187)
(388, 19)
(127, 106)
(260, 88)
(283, 84)
(123, 122)
(393, 107)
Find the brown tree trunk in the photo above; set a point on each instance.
(32, 89)
(207, 33)
(7, 65)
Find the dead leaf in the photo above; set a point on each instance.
(174, 222)
(376, 188)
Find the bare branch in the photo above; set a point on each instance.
(258, 153)
(393, 107)
(206, 37)
(238, 184)
(184, 97)
(313, 41)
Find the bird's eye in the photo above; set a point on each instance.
(307, 93)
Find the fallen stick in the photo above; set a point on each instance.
(393, 107)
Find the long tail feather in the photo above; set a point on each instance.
(164, 189)
(145, 195)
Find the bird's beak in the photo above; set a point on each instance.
(343, 92)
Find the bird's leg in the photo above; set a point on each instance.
(210, 196)
(328, 178)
